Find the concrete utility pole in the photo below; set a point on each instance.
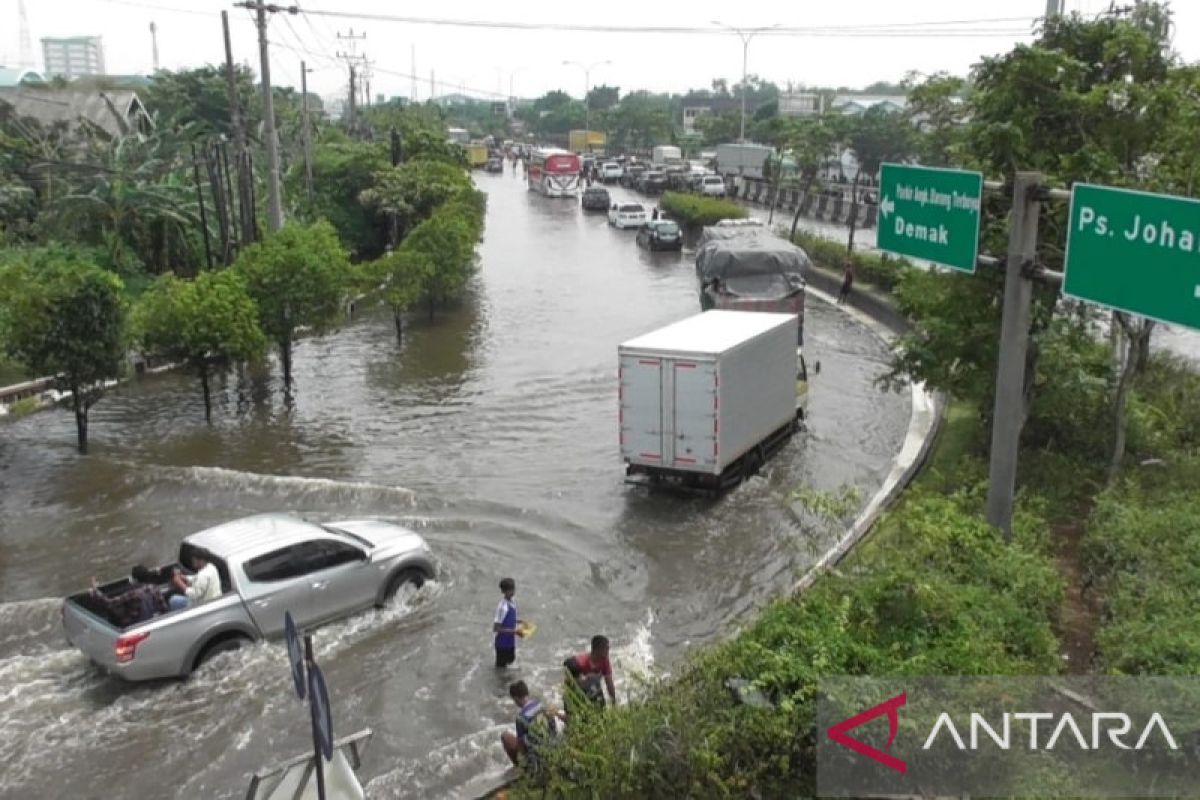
(274, 200)
(587, 88)
(154, 43)
(1009, 412)
(745, 34)
(245, 204)
(1053, 8)
(351, 59)
(308, 180)
(413, 97)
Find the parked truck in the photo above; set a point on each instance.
(747, 160)
(268, 564)
(705, 402)
(665, 154)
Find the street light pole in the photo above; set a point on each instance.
(587, 88)
(745, 34)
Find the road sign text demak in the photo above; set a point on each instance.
(922, 233)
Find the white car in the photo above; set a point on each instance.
(611, 171)
(627, 215)
(712, 186)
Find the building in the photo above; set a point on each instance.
(855, 104)
(108, 114)
(690, 115)
(73, 57)
(801, 104)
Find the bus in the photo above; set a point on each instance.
(554, 172)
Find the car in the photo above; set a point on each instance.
(712, 186)
(678, 178)
(267, 564)
(652, 182)
(631, 175)
(494, 165)
(596, 198)
(611, 171)
(660, 234)
(627, 215)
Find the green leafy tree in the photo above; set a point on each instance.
(204, 323)
(447, 242)
(401, 278)
(876, 136)
(603, 97)
(198, 100)
(342, 170)
(411, 192)
(811, 143)
(297, 276)
(67, 319)
(937, 108)
(720, 128)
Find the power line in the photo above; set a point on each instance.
(157, 7)
(899, 29)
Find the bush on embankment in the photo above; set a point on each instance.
(696, 211)
(937, 592)
(879, 270)
(1143, 537)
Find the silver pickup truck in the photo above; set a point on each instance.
(268, 564)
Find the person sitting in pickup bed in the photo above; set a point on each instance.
(205, 585)
(142, 601)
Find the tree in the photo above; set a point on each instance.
(67, 319)
(202, 323)
(342, 170)
(297, 276)
(401, 278)
(446, 243)
(875, 137)
(937, 109)
(720, 128)
(603, 97)
(411, 192)
(199, 99)
(811, 142)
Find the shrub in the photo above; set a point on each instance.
(694, 211)
(879, 270)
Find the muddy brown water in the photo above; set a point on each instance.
(492, 430)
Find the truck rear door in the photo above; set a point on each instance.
(694, 411)
(641, 421)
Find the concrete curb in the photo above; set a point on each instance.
(881, 318)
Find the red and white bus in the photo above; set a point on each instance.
(553, 172)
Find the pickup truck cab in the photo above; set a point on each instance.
(268, 564)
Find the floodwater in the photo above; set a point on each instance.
(493, 431)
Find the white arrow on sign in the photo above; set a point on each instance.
(886, 206)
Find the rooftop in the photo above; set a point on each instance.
(710, 333)
(19, 76)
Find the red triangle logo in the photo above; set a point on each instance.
(889, 707)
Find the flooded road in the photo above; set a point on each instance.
(492, 431)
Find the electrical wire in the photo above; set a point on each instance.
(900, 29)
(157, 7)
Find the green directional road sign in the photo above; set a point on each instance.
(1135, 252)
(930, 213)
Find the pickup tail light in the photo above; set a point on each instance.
(126, 646)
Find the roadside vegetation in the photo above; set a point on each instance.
(1106, 521)
(112, 246)
(694, 211)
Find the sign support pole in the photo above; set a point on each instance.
(1009, 412)
(318, 756)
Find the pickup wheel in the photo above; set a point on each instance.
(411, 576)
(222, 644)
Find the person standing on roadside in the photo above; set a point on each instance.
(505, 624)
(847, 281)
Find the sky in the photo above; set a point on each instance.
(827, 44)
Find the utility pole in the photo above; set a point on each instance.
(1053, 8)
(745, 34)
(154, 43)
(413, 98)
(351, 99)
(308, 180)
(587, 89)
(245, 205)
(274, 202)
(1009, 412)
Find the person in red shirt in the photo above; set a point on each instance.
(588, 669)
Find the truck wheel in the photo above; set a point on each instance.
(406, 577)
(225, 644)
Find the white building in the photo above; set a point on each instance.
(73, 57)
(690, 115)
(801, 104)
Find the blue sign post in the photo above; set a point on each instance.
(295, 653)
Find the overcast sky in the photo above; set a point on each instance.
(490, 60)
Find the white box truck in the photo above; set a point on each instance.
(665, 154)
(747, 159)
(704, 402)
